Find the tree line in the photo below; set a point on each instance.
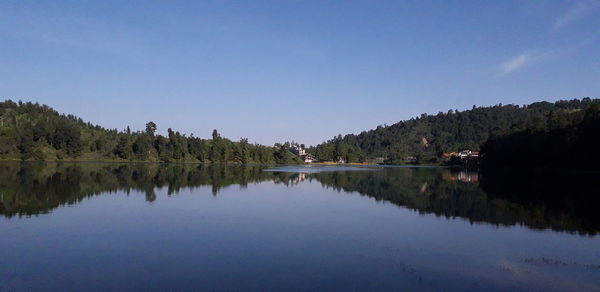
(426, 138)
(30, 131)
(568, 142)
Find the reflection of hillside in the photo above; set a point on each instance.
(542, 201)
(29, 188)
(449, 194)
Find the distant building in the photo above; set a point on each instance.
(468, 154)
(464, 154)
(308, 158)
(301, 152)
(298, 151)
(411, 159)
(379, 160)
(340, 160)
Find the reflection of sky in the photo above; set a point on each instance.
(271, 237)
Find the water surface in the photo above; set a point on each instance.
(188, 227)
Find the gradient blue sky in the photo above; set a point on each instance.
(293, 70)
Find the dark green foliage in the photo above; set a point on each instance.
(568, 142)
(66, 137)
(242, 152)
(336, 149)
(142, 145)
(283, 155)
(150, 128)
(27, 145)
(31, 131)
(123, 149)
(427, 137)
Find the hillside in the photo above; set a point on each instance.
(424, 139)
(29, 131)
(548, 145)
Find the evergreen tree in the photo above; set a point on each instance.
(150, 128)
(123, 149)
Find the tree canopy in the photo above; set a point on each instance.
(30, 131)
(427, 137)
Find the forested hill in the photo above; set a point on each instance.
(30, 131)
(427, 137)
(548, 145)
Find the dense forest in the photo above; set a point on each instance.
(424, 139)
(568, 141)
(29, 131)
(566, 128)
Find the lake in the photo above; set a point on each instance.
(91, 226)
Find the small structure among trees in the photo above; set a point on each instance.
(302, 154)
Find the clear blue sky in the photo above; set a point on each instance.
(293, 70)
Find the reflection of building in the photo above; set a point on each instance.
(299, 178)
(463, 176)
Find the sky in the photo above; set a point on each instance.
(305, 71)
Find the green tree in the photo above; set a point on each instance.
(150, 128)
(123, 148)
(142, 145)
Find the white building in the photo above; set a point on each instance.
(308, 158)
(464, 154)
(299, 151)
(468, 154)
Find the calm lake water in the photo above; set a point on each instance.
(188, 227)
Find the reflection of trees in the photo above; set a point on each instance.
(501, 202)
(534, 200)
(563, 200)
(32, 188)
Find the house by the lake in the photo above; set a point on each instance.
(301, 152)
(298, 151)
(468, 154)
(463, 155)
(308, 158)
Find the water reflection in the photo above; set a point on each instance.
(562, 202)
